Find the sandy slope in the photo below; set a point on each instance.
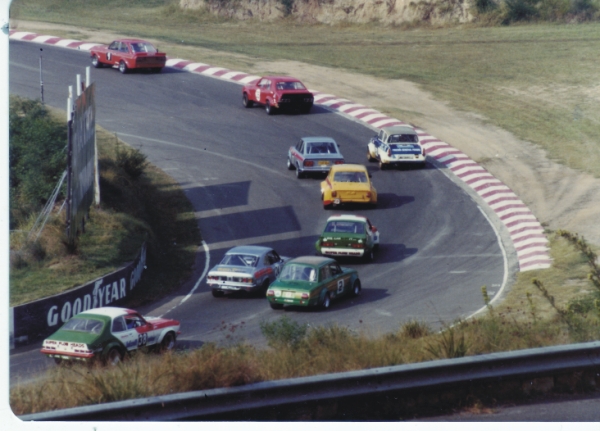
(560, 197)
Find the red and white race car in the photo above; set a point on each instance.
(128, 54)
(278, 92)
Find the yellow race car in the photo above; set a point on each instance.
(348, 183)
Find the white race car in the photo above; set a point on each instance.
(394, 146)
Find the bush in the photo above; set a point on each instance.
(131, 160)
(284, 333)
(520, 10)
(37, 157)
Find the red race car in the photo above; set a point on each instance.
(127, 54)
(278, 92)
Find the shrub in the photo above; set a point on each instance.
(520, 10)
(284, 332)
(37, 157)
(131, 160)
(485, 6)
(415, 329)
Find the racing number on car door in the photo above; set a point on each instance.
(143, 339)
(257, 95)
(340, 286)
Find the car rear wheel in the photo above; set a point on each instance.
(269, 109)
(123, 67)
(114, 357)
(326, 302)
(290, 165)
(96, 62)
(369, 255)
(168, 342)
(299, 173)
(369, 157)
(247, 102)
(382, 165)
(356, 288)
(275, 306)
(217, 293)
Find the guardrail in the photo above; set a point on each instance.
(387, 393)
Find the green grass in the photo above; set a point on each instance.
(151, 208)
(537, 81)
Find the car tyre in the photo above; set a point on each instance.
(326, 206)
(168, 342)
(96, 62)
(290, 165)
(275, 306)
(369, 255)
(299, 173)
(269, 109)
(326, 302)
(382, 166)
(114, 357)
(156, 69)
(356, 288)
(123, 67)
(218, 293)
(369, 157)
(247, 102)
(262, 292)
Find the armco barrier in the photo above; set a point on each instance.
(40, 318)
(388, 393)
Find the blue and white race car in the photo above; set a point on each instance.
(249, 268)
(394, 146)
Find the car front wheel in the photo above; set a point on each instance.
(123, 67)
(269, 109)
(114, 357)
(96, 62)
(247, 102)
(356, 288)
(326, 302)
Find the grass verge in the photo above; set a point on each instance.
(297, 350)
(151, 208)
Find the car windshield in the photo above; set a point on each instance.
(298, 272)
(403, 138)
(143, 47)
(321, 148)
(350, 177)
(239, 260)
(83, 324)
(290, 85)
(345, 227)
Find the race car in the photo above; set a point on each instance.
(278, 92)
(312, 281)
(394, 146)
(314, 154)
(248, 268)
(348, 183)
(128, 54)
(108, 334)
(348, 235)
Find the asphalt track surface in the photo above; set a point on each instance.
(437, 247)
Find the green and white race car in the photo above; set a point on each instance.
(312, 281)
(348, 235)
(107, 334)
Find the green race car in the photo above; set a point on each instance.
(312, 281)
(348, 235)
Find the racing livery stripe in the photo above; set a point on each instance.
(475, 176)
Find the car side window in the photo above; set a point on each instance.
(133, 321)
(114, 46)
(335, 269)
(124, 48)
(381, 135)
(118, 324)
(324, 273)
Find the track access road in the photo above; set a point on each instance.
(437, 247)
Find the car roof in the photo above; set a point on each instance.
(249, 249)
(312, 260)
(131, 40)
(109, 311)
(309, 139)
(280, 78)
(348, 167)
(397, 130)
(347, 217)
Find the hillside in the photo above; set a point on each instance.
(338, 11)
